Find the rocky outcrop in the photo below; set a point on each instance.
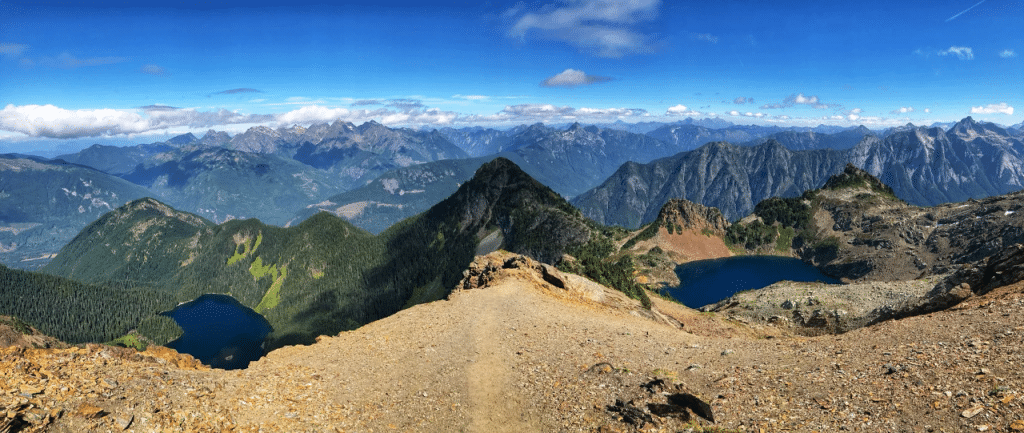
(486, 270)
(866, 235)
(853, 177)
(1002, 269)
(692, 216)
(45, 388)
(502, 267)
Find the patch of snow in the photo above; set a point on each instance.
(1009, 212)
(390, 185)
(325, 203)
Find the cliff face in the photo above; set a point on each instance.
(721, 175)
(924, 166)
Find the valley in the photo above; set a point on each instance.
(514, 285)
(600, 216)
(375, 176)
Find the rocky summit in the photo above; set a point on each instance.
(524, 347)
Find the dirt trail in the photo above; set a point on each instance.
(490, 408)
(523, 355)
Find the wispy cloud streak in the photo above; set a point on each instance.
(965, 11)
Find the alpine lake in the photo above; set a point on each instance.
(705, 282)
(222, 333)
(219, 331)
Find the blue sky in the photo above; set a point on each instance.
(72, 70)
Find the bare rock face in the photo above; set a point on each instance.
(866, 234)
(486, 269)
(1001, 269)
(693, 216)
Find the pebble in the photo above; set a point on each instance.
(972, 412)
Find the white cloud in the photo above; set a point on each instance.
(801, 99)
(902, 110)
(602, 27)
(12, 49)
(314, 114)
(610, 112)
(526, 113)
(472, 97)
(153, 70)
(927, 110)
(962, 53)
(537, 110)
(319, 114)
(746, 114)
(681, 110)
(69, 61)
(854, 114)
(797, 99)
(707, 37)
(743, 100)
(1006, 54)
(572, 78)
(1000, 108)
(55, 122)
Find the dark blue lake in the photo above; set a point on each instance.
(219, 331)
(704, 282)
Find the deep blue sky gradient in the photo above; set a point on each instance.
(863, 63)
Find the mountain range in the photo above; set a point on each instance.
(924, 166)
(325, 275)
(376, 176)
(569, 161)
(45, 203)
(729, 177)
(222, 184)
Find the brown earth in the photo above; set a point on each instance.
(697, 234)
(519, 353)
(14, 332)
(677, 248)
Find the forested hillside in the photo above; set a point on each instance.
(75, 312)
(326, 275)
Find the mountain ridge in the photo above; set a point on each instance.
(925, 166)
(325, 275)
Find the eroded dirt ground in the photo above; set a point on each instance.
(523, 355)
